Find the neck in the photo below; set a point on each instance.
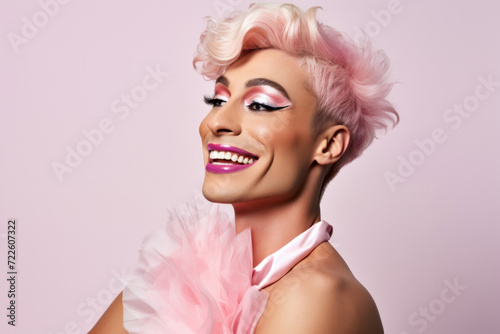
(274, 223)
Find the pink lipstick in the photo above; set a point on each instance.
(225, 158)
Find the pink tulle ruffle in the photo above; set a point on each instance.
(194, 277)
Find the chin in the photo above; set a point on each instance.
(217, 194)
(227, 194)
(224, 188)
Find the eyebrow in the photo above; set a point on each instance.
(256, 82)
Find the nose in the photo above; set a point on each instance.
(224, 120)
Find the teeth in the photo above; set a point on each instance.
(230, 156)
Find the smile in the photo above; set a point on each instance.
(227, 159)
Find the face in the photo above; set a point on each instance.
(257, 138)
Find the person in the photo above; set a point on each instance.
(294, 101)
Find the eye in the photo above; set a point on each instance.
(256, 106)
(213, 101)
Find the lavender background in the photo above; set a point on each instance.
(66, 66)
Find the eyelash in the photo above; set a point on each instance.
(211, 100)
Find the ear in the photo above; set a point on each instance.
(332, 143)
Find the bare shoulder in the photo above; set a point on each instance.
(320, 295)
(111, 322)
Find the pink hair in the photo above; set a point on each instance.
(349, 81)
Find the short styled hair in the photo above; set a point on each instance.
(349, 80)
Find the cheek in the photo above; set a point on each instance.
(290, 163)
(289, 146)
(277, 131)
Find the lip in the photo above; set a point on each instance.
(224, 169)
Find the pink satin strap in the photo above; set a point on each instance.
(274, 266)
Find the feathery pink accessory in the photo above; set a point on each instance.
(196, 276)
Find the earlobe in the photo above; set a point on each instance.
(332, 144)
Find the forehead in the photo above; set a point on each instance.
(271, 64)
